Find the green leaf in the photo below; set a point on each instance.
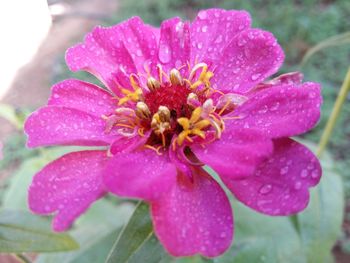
(136, 239)
(320, 224)
(260, 238)
(15, 196)
(150, 251)
(23, 232)
(9, 113)
(95, 231)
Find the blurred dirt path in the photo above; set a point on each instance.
(31, 85)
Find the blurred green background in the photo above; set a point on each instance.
(298, 26)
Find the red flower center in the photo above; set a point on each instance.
(174, 97)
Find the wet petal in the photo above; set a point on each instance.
(67, 186)
(236, 154)
(194, 217)
(82, 96)
(174, 43)
(212, 30)
(57, 125)
(105, 51)
(130, 143)
(248, 59)
(142, 174)
(281, 111)
(280, 185)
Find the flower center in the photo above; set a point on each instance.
(172, 110)
(174, 97)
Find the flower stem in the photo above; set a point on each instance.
(22, 258)
(344, 90)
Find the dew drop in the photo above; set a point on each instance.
(284, 170)
(265, 189)
(256, 76)
(164, 53)
(202, 15)
(275, 106)
(314, 174)
(200, 45)
(223, 234)
(297, 185)
(218, 39)
(139, 53)
(304, 173)
(204, 29)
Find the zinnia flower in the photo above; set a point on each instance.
(179, 97)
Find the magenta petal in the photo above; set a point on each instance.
(67, 186)
(236, 154)
(125, 47)
(128, 144)
(174, 43)
(194, 217)
(280, 185)
(83, 96)
(138, 38)
(281, 111)
(57, 125)
(248, 59)
(143, 174)
(212, 30)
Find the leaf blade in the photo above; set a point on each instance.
(23, 232)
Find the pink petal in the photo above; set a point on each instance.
(281, 111)
(248, 59)
(105, 51)
(57, 125)
(67, 186)
(141, 174)
(82, 96)
(236, 154)
(280, 185)
(194, 217)
(128, 144)
(138, 38)
(212, 30)
(174, 43)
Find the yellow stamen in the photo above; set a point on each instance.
(204, 77)
(142, 111)
(175, 77)
(156, 149)
(153, 84)
(135, 95)
(225, 107)
(192, 126)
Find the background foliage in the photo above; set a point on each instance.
(308, 237)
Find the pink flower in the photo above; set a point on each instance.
(179, 97)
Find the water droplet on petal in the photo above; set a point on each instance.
(202, 14)
(218, 39)
(284, 170)
(275, 106)
(164, 53)
(297, 185)
(139, 53)
(315, 174)
(304, 173)
(256, 76)
(265, 189)
(204, 29)
(200, 45)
